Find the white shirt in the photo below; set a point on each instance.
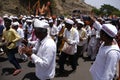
(97, 25)
(53, 30)
(93, 39)
(21, 33)
(88, 28)
(73, 37)
(45, 59)
(59, 27)
(83, 35)
(29, 29)
(104, 67)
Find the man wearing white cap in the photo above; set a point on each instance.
(82, 38)
(53, 30)
(71, 38)
(28, 29)
(104, 67)
(44, 52)
(20, 31)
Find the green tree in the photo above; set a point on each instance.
(108, 9)
(96, 11)
(116, 13)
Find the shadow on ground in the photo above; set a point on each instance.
(30, 76)
(2, 59)
(65, 73)
(87, 59)
(31, 64)
(7, 71)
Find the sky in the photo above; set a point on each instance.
(98, 3)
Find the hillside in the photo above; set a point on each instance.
(11, 7)
(67, 6)
(58, 7)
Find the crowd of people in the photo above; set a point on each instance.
(42, 39)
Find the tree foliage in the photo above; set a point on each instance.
(96, 11)
(106, 10)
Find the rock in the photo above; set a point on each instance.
(58, 7)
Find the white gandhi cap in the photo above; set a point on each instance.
(110, 29)
(69, 21)
(40, 24)
(15, 23)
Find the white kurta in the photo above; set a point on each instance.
(29, 29)
(104, 67)
(20, 32)
(73, 38)
(92, 45)
(83, 35)
(45, 59)
(53, 30)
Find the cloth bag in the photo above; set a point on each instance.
(68, 49)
